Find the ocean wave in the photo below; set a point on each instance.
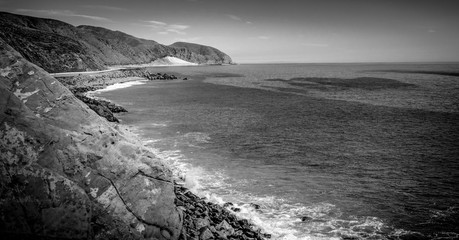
(284, 219)
(274, 215)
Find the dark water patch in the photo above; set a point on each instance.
(222, 75)
(367, 83)
(288, 90)
(276, 80)
(443, 73)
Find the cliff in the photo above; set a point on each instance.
(60, 47)
(66, 173)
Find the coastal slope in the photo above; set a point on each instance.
(66, 173)
(57, 46)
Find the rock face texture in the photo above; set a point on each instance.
(67, 173)
(60, 47)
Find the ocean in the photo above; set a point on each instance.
(312, 151)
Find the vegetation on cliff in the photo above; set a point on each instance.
(60, 47)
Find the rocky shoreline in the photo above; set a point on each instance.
(202, 220)
(81, 84)
(68, 173)
(205, 220)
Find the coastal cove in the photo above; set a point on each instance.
(108, 135)
(89, 178)
(286, 140)
(202, 219)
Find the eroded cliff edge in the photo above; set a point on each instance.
(65, 172)
(57, 46)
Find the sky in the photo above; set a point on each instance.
(261, 31)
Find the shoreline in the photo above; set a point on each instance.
(121, 68)
(85, 86)
(124, 67)
(201, 219)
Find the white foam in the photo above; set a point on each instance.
(275, 216)
(279, 217)
(173, 158)
(192, 177)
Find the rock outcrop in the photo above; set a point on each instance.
(60, 47)
(204, 220)
(67, 173)
(199, 53)
(103, 108)
(82, 83)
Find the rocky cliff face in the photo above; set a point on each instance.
(66, 173)
(200, 53)
(60, 47)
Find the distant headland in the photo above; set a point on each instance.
(57, 46)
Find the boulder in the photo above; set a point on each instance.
(228, 204)
(202, 222)
(225, 228)
(206, 234)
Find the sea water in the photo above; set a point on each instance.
(327, 151)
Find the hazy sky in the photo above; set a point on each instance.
(276, 31)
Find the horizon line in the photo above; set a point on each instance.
(369, 62)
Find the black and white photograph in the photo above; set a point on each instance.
(231, 120)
